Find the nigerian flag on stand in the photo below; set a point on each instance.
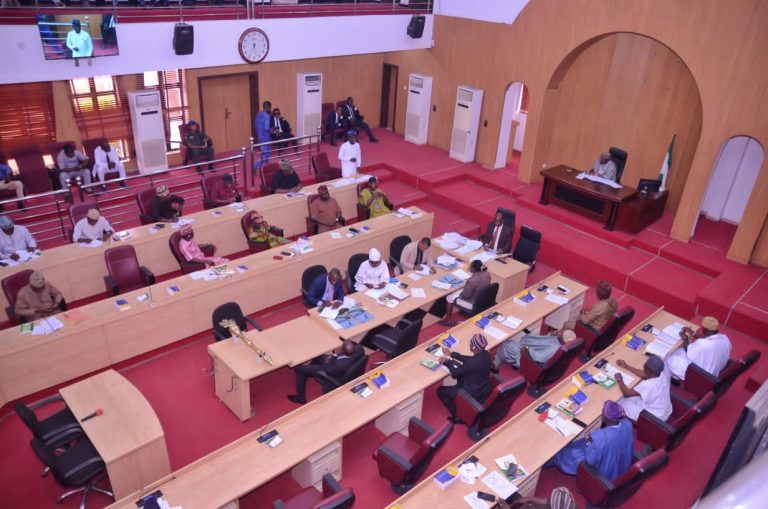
(667, 163)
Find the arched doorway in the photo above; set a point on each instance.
(513, 119)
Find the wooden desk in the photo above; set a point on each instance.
(592, 199)
(245, 464)
(640, 211)
(533, 443)
(78, 272)
(128, 435)
(107, 336)
(505, 270)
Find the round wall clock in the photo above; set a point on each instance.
(253, 45)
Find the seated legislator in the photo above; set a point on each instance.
(651, 394)
(38, 299)
(106, 160)
(285, 180)
(604, 167)
(417, 255)
(13, 238)
(198, 143)
(334, 122)
(165, 207)
(608, 449)
(280, 129)
(191, 251)
(372, 273)
(601, 311)
(258, 231)
(72, 163)
(541, 348)
(473, 373)
(224, 192)
(326, 290)
(337, 363)
(355, 119)
(707, 348)
(326, 211)
(479, 279)
(374, 199)
(498, 237)
(7, 182)
(93, 226)
(350, 156)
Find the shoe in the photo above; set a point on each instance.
(123, 185)
(104, 188)
(494, 369)
(448, 323)
(374, 140)
(296, 399)
(454, 419)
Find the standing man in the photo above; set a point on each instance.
(79, 42)
(416, 255)
(372, 273)
(652, 393)
(263, 133)
(7, 182)
(94, 226)
(334, 364)
(106, 161)
(498, 237)
(374, 199)
(38, 299)
(604, 167)
(72, 163)
(707, 348)
(349, 155)
(473, 374)
(334, 122)
(198, 143)
(325, 212)
(355, 119)
(14, 238)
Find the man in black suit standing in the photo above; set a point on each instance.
(498, 237)
(334, 122)
(334, 364)
(355, 119)
(472, 372)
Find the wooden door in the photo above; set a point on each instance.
(388, 96)
(226, 105)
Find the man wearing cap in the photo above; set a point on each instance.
(604, 167)
(38, 299)
(326, 290)
(355, 119)
(71, 164)
(652, 393)
(372, 273)
(14, 237)
(417, 255)
(706, 348)
(374, 199)
(191, 251)
(541, 348)
(350, 156)
(608, 449)
(106, 160)
(224, 192)
(325, 212)
(79, 42)
(198, 143)
(473, 374)
(479, 279)
(92, 227)
(165, 207)
(286, 180)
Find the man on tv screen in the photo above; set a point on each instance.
(79, 42)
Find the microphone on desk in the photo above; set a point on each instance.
(98, 411)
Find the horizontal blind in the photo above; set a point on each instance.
(26, 116)
(173, 96)
(101, 109)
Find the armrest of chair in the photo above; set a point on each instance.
(652, 430)
(591, 483)
(468, 400)
(496, 379)
(82, 466)
(62, 304)
(406, 322)
(322, 376)
(529, 368)
(311, 226)
(418, 430)
(698, 382)
(149, 277)
(278, 504)
(63, 434)
(208, 249)
(382, 341)
(680, 404)
(395, 458)
(254, 323)
(330, 486)
(112, 287)
(219, 336)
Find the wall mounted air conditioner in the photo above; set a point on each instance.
(417, 112)
(148, 132)
(466, 123)
(309, 102)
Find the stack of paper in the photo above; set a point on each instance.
(484, 256)
(564, 427)
(446, 261)
(512, 322)
(470, 471)
(447, 244)
(93, 243)
(335, 235)
(557, 299)
(612, 370)
(499, 484)
(396, 292)
(329, 312)
(414, 276)
(418, 293)
(46, 326)
(440, 285)
(661, 345)
(375, 293)
(595, 178)
(409, 213)
(461, 274)
(495, 333)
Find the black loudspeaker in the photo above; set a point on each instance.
(183, 39)
(416, 26)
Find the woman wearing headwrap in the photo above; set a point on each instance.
(473, 374)
(259, 231)
(191, 251)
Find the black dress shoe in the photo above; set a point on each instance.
(296, 399)
(494, 369)
(454, 419)
(374, 140)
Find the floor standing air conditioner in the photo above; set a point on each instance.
(309, 99)
(148, 132)
(417, 113)
(466, 122)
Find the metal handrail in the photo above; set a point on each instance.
(34, 220)
(299, 156)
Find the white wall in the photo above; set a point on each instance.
(495, 11)
(148, 46)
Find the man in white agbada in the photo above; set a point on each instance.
(14, 237)
(92, 227)
(106, 161)
(707, 348)
(373, 273)
(651, 393)
(605, 167)
(78, 41)
(349, 155)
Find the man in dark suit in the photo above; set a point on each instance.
(326, 290)
(335, 364)
(334, 122)
(279, 127)
(498, 237)
(472, 372)
(355, 119)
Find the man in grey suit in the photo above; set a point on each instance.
(467, 295)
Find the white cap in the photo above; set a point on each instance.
(374, 255)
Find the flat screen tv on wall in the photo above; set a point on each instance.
(77, 35)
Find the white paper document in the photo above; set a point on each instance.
(414, 276)
(447, 244)
(484, 256)
(505, 461)
(612, 370)
(344, 182)
(93, 243)
(461, 274)
(424, 271)
(335, 235)
(440, 285)
(601, 180)
(557, 299)
(375, 293)
(329, 313)
(446, 260)
(658, 347)
(348, 302)
(474, 502)
(395, 291)
(499, 484)
(468, 472)
(334, 324)
(495, 333)
(409, 213)
(512, 322)
(46, 326)
(418, 293)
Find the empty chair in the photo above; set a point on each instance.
(54, 431)
(600, 492)
(485, 299)
(329, 382)
(668, 435)
(402, 460)
(598, 341)
(527, 247)
(230, 311)
(480, 416)
(540, 374)
(307, 278)
(352, 267)
(79, 467)
(267, 172)
(125, 273)
(398, 339)
(619, 157)
(254, 246)
(698, 382)
(333, 496)
(144, 200)
(187, 267)
(29, 160)
(396, 249)
(323, 169)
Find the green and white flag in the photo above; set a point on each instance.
(667, 163)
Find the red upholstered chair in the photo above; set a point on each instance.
(77, 211)
(698, 382)
(144, 200)
(403, 459)
(480, 416)
(323, 169)
(207, 185)
(187, 267)
(600, 492)
(668, 435)
(5, 194)
(363, 213)
(333, 496)
(256, 247)
(312, 226)
(538, 375)
(32, 169)
(596, 341)
(89, 146)
(267, 172)
(11, 286)
(125, 274)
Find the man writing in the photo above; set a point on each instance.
(325, 211)
(372, 273)
(374, 199)
(79, 42)
(473, 374)
(93, 226)
(286, 180)
(14, 238)
(326, 290)
(72, 163)
(707, 348)
(224, 192)
(651, 394)
(355, 119)
(417, 255)
(604, 167)
(165, 207)
(498, 237)
(350, 156)
(198, 143)
(106, 161)
(335, 364)
(38, 299)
